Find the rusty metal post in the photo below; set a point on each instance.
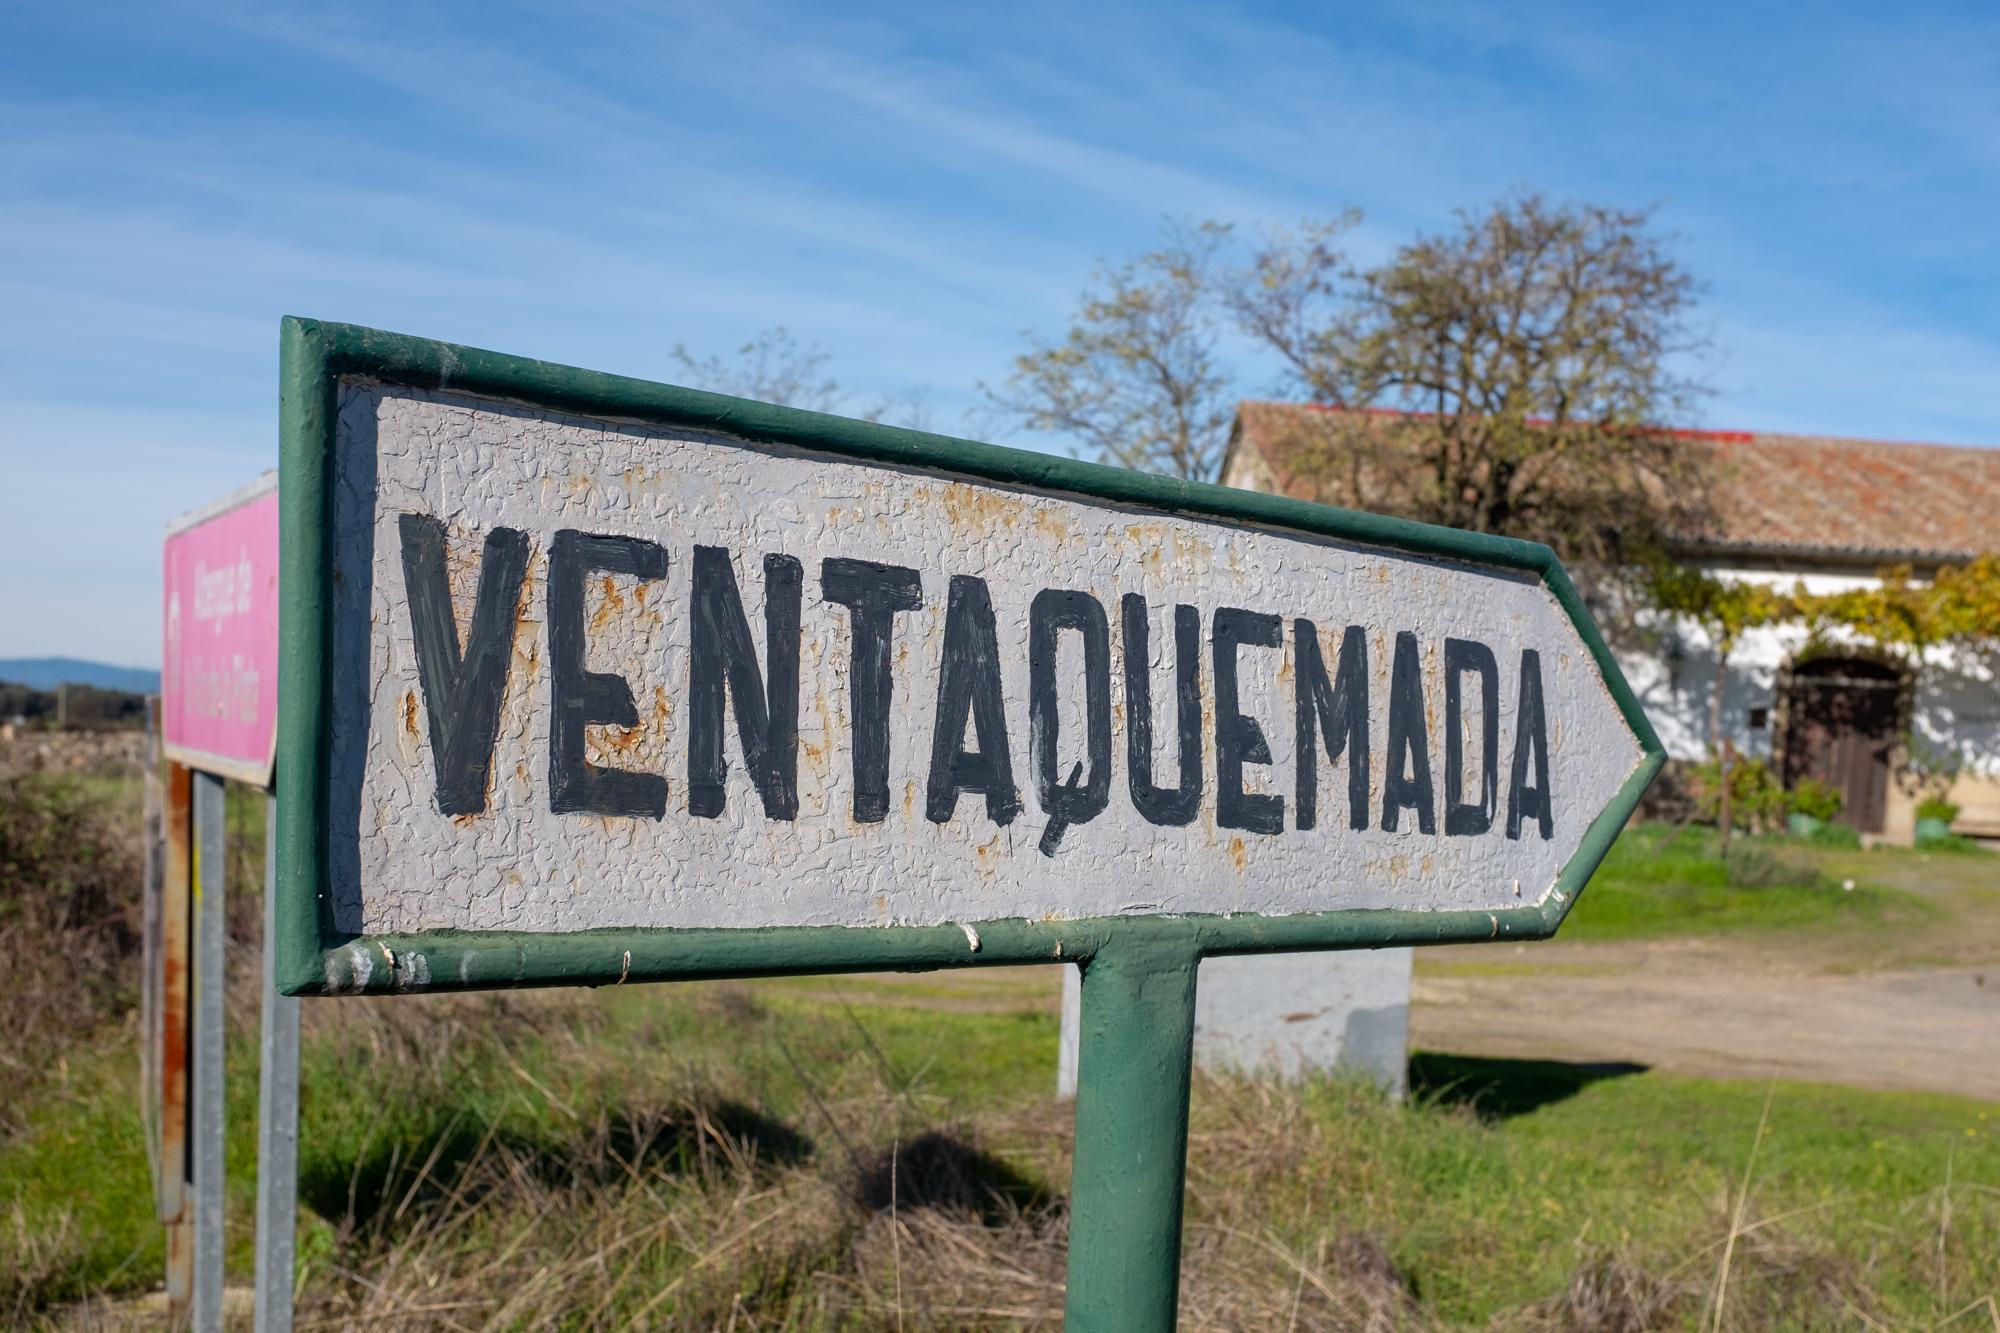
(277, 1116)
(210, 982)
(171, 1186)
(180, 1269)
(153, 864)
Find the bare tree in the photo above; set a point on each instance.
(1531, 354)
(773, 367)
(1298, 299)
(1136, 378)
(910, 409)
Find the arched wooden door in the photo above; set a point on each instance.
(1841, 725)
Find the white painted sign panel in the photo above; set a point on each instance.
(588, 674)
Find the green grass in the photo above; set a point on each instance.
(1488, 1190)
(379, 1089)
(120, 796)
(593, 1116)
(1648, 1164)
(1658, 881)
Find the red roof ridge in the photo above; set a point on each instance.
(1678, 432)
(1805, 494)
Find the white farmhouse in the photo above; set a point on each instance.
(1785, 508)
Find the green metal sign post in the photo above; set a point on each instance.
(1131, 1133)
(587, 680)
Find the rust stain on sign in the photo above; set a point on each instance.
(609, 605)
(613, 741)
(979, 511)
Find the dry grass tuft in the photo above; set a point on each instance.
(1608, 1294)
(1787, 1282)
(703, 1212)
(1232, 1279)
(938, 1268)
(32, 1256)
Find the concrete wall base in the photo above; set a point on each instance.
(1287, 1015)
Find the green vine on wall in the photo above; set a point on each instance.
(1902, 616)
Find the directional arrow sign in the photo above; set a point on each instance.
(590, 680)
(620, 672)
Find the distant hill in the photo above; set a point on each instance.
(45, 673)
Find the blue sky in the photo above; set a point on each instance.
(911, 187)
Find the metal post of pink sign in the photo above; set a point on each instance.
(219, 708)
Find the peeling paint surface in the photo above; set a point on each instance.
(400, 866)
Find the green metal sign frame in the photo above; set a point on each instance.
(1139, 972)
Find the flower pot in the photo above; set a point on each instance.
(1933, 830)
(1803, 826)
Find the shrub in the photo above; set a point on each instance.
(1938, 808)
(69, 908)
(1757, 799)
(1834, 835)
(1816, 799)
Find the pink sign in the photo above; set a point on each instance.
(219, 676)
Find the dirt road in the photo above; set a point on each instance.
(1732, 1009)
(1906, 1005)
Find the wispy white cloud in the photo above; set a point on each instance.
(596, 180)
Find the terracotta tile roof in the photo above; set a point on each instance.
(1802, 495)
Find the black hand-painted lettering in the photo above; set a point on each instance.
(969, 685)
(1339, 712)
(765, 699)
(1052, 832)
(1053, 611)
(1408, 785)
(1238, 739)
(1168, 807)
(1462, 817)
(1531, 745)
(872, 594)
(462, 690)
(579, 698)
